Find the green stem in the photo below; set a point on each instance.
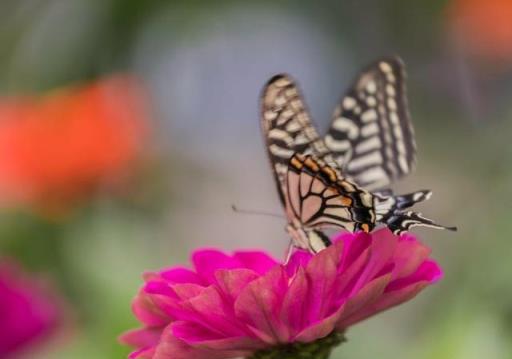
(319, 349)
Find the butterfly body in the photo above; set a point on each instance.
(340, 181)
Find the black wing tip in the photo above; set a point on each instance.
(278, 77)
(391, 58)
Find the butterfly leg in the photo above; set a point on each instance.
(289, 251)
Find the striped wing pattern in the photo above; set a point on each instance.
(370, 142)
(371, 136)
(287, 127)
(404, 221)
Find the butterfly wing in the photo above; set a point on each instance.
(287, 127)
(400, 222)
(319, 199)
(371, 136)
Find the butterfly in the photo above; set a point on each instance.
(341, 180)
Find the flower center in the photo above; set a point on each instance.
(319, 349)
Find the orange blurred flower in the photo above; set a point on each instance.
(484, 27)
(57, 148)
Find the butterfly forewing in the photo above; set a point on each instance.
(287, 127)
(371, 136)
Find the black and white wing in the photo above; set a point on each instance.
(401, 222)
(371, 136)
(287, 127)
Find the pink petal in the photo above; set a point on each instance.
(159, 287)
(144, 353)
(299, 258)
(259, 262)
(186, 291)
(381, 251)
(429, 271)
(191, 332)
(347, 278)
(148, 312)
(293, 314)
(145, 337)
(200, 337)
(320, 329)
(180, 275)
(386, 301)
(231, 282)
(355, 245)
(259, 304)
(172, 348)
(368, 295)
(408, 256)
(207, 261)
(210, 310)
(321, 274)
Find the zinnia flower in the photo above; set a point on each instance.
(483, 26)
(28, 312)
(248, 304)
(58, 147)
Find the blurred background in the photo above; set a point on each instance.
(147, 132)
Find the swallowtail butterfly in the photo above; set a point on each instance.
(340, 181)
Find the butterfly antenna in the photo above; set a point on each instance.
(249, 211)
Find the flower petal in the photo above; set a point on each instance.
(321, 273)
(400, 294)
(231, 282)
(381, 252)
(293, 314)
(210, 310)
(180, 275)
(354, 245)
(368, 295)
(207, 261)
(259, 304)
(144, 353)
(429, 271)
(259, 262)
(172, 348)
(409, 254)
(200, 337)
(149, 312)
(299, 258)
(145, 337)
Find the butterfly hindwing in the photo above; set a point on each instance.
(400, 222)
(318, 198)
(371, 136)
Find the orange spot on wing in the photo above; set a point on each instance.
(296, 163)
(346, 201)
(311, 164)
(330, 173)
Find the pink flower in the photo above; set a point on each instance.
(28, 313)
(233, 305)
